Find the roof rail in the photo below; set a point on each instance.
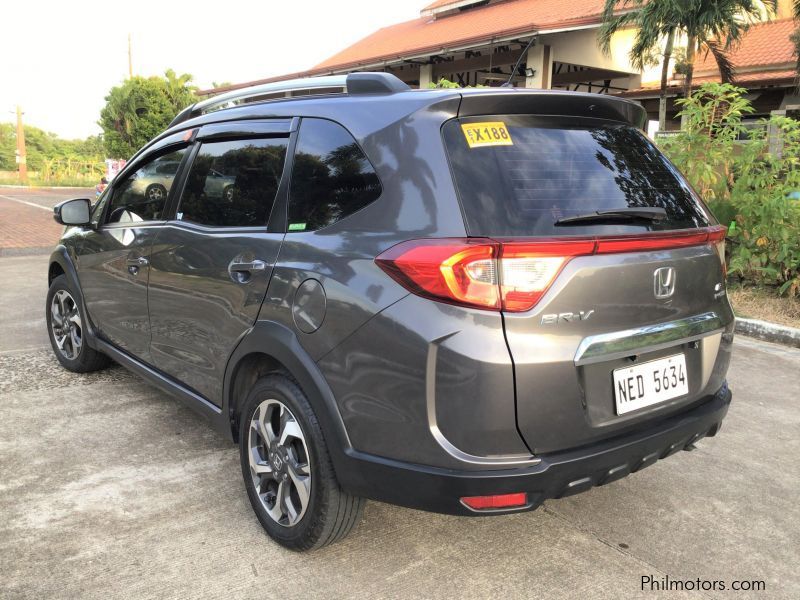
(354, 83)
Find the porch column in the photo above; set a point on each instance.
(540, 60)
(425, 75)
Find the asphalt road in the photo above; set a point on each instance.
(108, 488)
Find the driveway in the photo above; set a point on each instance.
(109, 488)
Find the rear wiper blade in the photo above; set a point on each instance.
(617, 214)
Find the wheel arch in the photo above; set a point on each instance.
(54, 271)
(61, 264)
(271, 347)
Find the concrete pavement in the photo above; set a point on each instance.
(109, 488)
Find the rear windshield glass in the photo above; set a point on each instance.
(518, 175)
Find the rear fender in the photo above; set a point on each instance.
(280, 343)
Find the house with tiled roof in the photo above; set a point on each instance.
(550, 44)
(764, 63)
(480, 41)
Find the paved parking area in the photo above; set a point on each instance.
(26, 218)
(109, 488)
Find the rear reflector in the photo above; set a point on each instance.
(512, 275)
(497, 501)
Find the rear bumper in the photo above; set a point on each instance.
(556, 475)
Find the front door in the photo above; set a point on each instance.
(211, 265)
(114, 255)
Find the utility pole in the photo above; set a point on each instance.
(22, 159)
(130, 59)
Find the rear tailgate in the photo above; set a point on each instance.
(564, 364)
(650, 289)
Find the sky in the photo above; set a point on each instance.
(58, 60)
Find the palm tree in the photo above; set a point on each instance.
(178, 89)
(717, 25)
(654, 22)
(713, 25)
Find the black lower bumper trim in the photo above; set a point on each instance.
(557, 475)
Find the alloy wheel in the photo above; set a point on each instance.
(155, 193)
(65, 322)
(279, 462)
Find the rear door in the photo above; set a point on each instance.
(211, 264)
(629, 325)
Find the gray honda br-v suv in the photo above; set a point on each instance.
(463, 301)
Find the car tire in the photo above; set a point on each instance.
(65, 327)
(229, 193)
(280, 440)
(155, 192)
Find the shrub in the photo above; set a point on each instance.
(766, 233)
(753, 186)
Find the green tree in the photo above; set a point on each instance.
(713, 25)
(141, 108)
(717, 25)
(179, 89)
(53, 160)
(447, 84)
(749, 185)
(8, 145)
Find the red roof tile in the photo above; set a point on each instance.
(426, 34)
(764, 44)
(761, 58)
(783, 78)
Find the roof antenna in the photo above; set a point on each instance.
(519, 61)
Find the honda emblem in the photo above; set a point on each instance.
(664, 282)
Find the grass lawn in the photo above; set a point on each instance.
(765, 304)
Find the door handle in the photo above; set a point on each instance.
(241, 272)
(134, 264)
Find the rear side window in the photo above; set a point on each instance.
(233, 183)
(518, 175)
(331, 177)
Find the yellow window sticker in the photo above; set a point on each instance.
(492, 133)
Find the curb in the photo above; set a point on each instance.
(769, 332)
(27, 251)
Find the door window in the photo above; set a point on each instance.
(142, 195)
(331, 177)
(233, 183)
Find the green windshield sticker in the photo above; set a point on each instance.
(297, 226)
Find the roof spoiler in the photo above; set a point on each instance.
(510, 101)
(354, 83)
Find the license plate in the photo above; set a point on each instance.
(650, 383)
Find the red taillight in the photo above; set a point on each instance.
(496, 501)
(512, 275)
(528, 269)
(716, 236)
(458, 271)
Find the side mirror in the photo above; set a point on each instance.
(73, 212)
